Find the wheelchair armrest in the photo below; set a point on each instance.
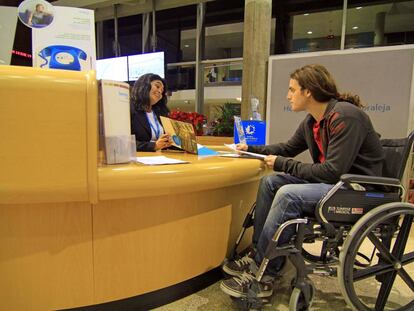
(374, 180)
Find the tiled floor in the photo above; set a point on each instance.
(327, 297)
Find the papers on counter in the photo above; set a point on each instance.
(159, 160)
(249, 154)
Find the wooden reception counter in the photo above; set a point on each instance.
(74, 233)
(155, 226)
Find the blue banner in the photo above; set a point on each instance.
(254, 132)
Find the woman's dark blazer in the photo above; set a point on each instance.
(141, 129)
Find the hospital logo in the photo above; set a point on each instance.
(250, 130)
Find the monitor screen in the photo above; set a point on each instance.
(112, 69)
(145, 63)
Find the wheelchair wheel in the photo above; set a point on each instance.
(387, 283)
(297, 300)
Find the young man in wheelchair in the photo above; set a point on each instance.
(340, 138)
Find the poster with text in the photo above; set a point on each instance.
(68, 43)
(8, 21)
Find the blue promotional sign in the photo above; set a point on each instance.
(254, 132)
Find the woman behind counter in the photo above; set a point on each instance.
(148, 103)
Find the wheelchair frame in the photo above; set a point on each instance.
(378, 224)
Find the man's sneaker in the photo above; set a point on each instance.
(239, 286)
(237, 267)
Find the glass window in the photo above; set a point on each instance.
(221, 41)
(224, 41)
(378, 25)
(180, 77)
(188, 45)
(317, 31)
(223, 73)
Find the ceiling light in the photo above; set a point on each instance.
(310, 32)
(355, 27)
(359, 7)
(306, 14)
(186, 45)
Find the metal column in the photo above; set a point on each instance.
(99, 40)
(115, 45)
(199, 68)
(154, 29)
(145, 32)
(149, 42)
(343, 31)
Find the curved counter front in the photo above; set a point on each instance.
(156, 226)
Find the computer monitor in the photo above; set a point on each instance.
(115, 68)
(145, 63)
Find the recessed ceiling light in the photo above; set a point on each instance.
(306, 14)
(355, 27)
(359, 7)
(310, 32)
(186, 45)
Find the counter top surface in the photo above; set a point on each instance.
(201, 173)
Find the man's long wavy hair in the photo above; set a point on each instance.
(318, 80)
(140, 94)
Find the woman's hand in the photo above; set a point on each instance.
(270, 160)
(242, 147)
(163, 142)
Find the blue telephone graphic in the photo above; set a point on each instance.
(62, 57)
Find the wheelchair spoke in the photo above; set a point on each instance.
(361, 274)
(382, 248)
(406, 278)
(407, 259)
(378, 269)
(402, 237)
(385, 291)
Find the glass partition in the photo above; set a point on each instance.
(379, 25)
(221, 72)
(317, 31)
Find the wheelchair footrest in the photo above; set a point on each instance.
(325, 270)
(249, 303)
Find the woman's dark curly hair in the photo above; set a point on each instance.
(140, 94)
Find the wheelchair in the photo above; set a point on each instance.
(361, 234)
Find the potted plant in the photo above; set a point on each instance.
(224, 123)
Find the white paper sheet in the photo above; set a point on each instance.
(252, 154)
(158, 160)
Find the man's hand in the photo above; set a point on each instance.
(270, 160)
(163, 142)
(242, 147)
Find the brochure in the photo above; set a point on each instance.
(246, 153)
(182, 134)
(115, 126)
(240, 131)
(204, 151)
